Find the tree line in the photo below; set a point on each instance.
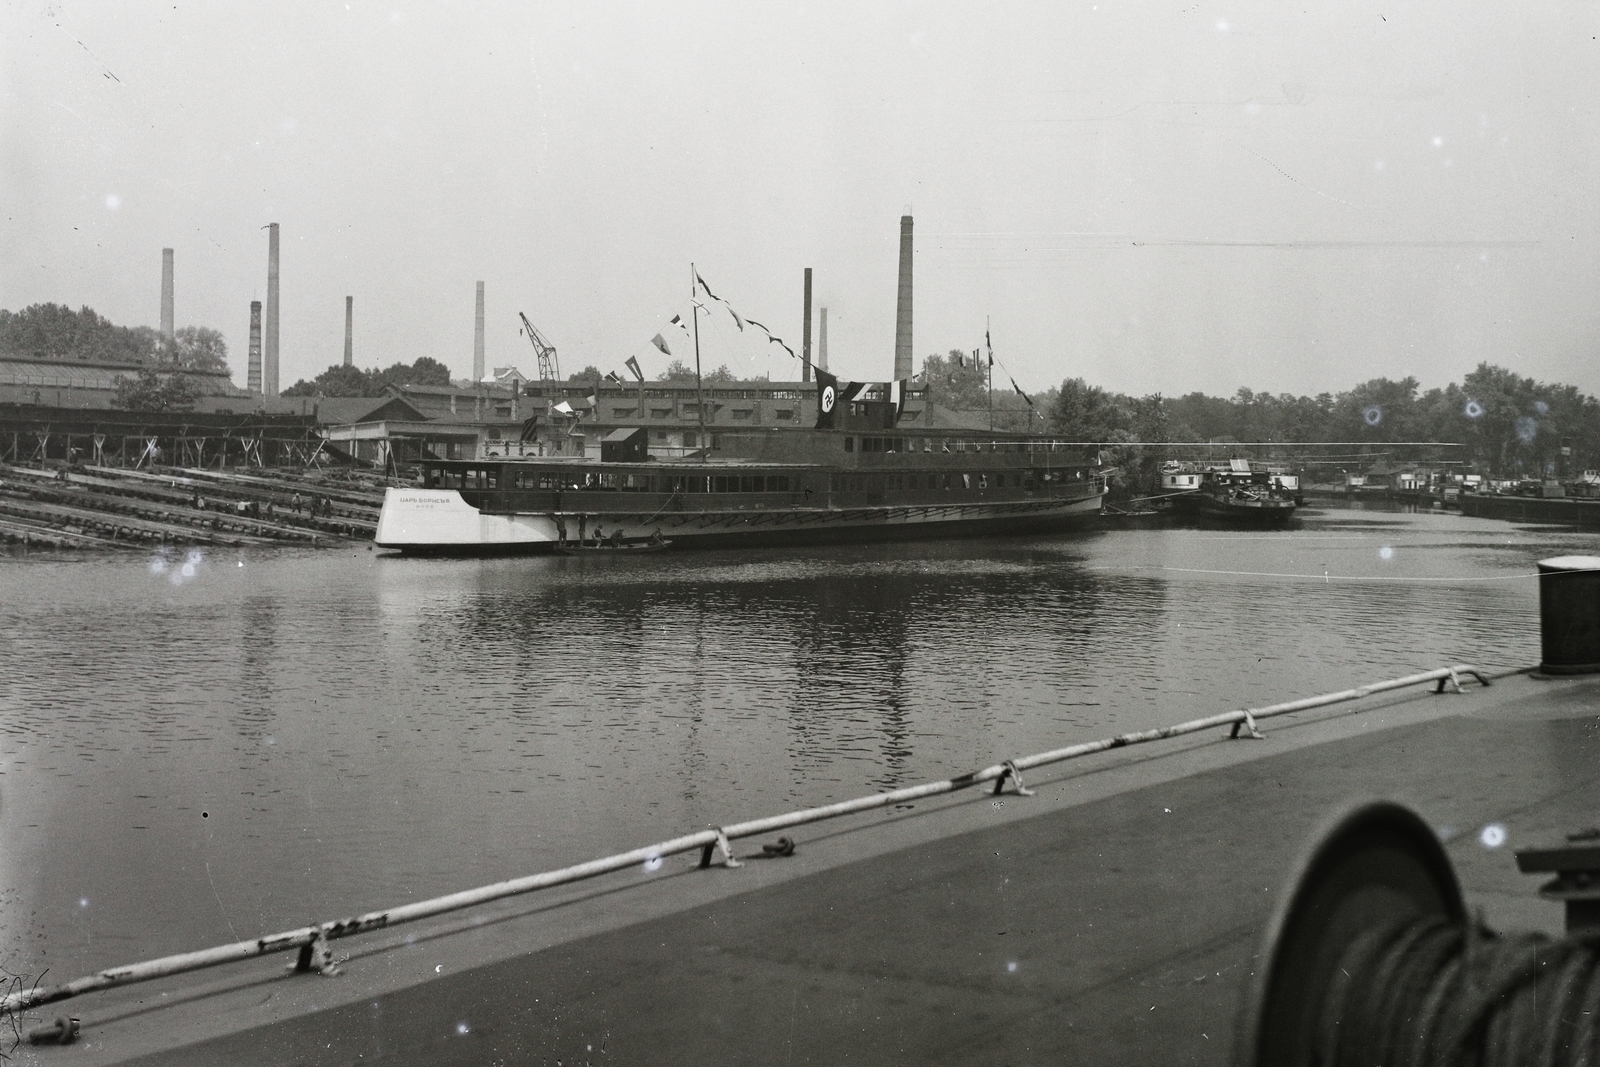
(1508, 426)
(340, 380)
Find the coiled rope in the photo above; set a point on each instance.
(1430, 992)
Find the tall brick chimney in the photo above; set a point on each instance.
(269, 362)
(902, 313)
(166, 293)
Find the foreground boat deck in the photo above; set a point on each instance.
(1113, 917)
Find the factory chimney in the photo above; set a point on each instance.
(805, 334)
(253, 379)
(477, 340)
(269, 363)
(166, 293)
(349, 314)
(902, 312)
(822, 341)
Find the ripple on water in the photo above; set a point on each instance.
(313, 734)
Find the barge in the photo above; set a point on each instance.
(1235, 493)
(1557, 510)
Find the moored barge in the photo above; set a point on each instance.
(1236, 493)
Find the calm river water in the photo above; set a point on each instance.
(196, 749)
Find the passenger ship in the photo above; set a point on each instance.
(778, 487)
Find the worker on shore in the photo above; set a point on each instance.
(294, 502)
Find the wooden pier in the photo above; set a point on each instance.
(104, 507)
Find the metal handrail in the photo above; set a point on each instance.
(312, 940)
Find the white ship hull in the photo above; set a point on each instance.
(440, 521)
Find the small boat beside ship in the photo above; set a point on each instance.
(610, 547)
(1235, 493)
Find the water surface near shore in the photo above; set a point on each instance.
(202, 747)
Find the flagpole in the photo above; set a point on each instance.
(699, 386)
(989, 351)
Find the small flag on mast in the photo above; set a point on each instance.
(1020, 393)
(632, 364)
(661, 343)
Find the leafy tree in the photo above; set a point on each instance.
(591, 373)
(1378, 410)
(198, 348)
(56, 332)
(957, 380)
(1084, 412)
(425, 371)
(151, 388)
(339, 380)
(679, 371)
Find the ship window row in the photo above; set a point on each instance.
(878, 483)
(490, 478)
(950, 444)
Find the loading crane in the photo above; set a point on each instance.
(549, 366)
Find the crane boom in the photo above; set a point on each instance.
(549, 365)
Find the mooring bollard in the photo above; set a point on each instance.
(1569, 615)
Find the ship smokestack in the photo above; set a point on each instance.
(822, 341)
(349, 318)
(902, 315)
(253, 374)
(805, 334)
(166, 293)
(269, 362)
(477, 340)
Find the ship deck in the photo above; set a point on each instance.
(1113, 917)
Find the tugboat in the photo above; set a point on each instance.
(1234, 493)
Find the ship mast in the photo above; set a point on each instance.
(699, 386)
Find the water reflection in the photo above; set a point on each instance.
(360, 730)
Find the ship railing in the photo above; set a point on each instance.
(312, 941)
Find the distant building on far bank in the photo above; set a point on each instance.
(84, 383)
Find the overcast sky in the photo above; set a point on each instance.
(1163, 196)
